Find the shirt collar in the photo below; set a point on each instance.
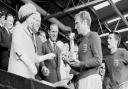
(51, 42)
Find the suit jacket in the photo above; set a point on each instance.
(5, 44)
(52, 65)
(22, 56)
(39, 45)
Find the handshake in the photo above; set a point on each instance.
(45, 71)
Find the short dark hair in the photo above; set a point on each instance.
(53, 24)
(2, 14)
(117, 37)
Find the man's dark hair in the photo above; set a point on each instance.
(8, 16)
(117, 37)
(51, 26)
(2, 14)
(40, 31)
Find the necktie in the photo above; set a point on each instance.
(54, 46)
(55, 51)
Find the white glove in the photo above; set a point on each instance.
(45, 71)
(50, 56)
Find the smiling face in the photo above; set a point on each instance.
(53, 32)
(2, 20)
(43, 37)
(9, 21)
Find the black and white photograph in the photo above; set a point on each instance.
(63, 44)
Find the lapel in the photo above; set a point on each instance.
(56, 52)
(33, 40)
(56, 60)
(6, 35)
(5, 32)
(50, 46)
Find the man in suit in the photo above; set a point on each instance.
(40, 39)
(50, 68)
(5, 42)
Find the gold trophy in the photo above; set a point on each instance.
(73, 56)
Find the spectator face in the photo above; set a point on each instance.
(43, 37)
(112, 42)
(53, 33)
(9, 22)
(80, 25)
(2, 19)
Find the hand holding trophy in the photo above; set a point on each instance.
(71, 36)
(73, 55)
